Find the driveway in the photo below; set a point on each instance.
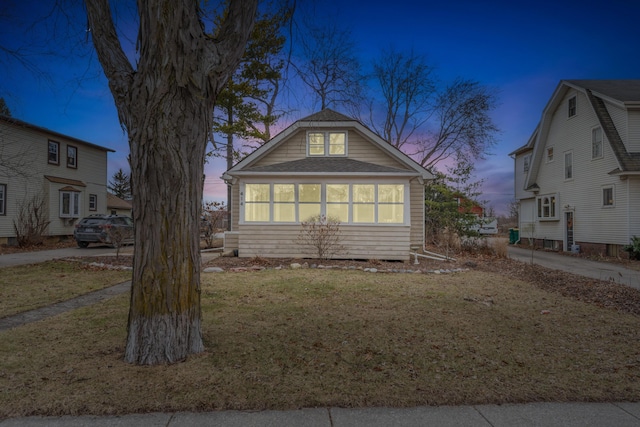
(571, 264)
(23, 258)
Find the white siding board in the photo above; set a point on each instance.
(360, 242)
(633, 132)
(91, 170)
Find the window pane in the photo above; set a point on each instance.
(309, 192)
(316, 144)
(283, 193)
(338, 193)
(363, 213)
(336, 143)
(254, 212)
(391, 214)
(391, 193)
(76, 204)
(257, 192)
(66, 204)
(363, 193)
(308, 210)
(284, 212)
(339, 212)
(3, 191)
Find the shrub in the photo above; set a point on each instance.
(633, 248)
(322, 234)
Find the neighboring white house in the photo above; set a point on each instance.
(332, 165)
(577, 180)
(68, 173)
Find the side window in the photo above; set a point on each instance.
(3, 199)
(596, 143)
(72, 156)
(608, 197)
(93, 202)
(69, 204)
(572, 107)
(568, 165)
(54, 153)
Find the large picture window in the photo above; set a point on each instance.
(327, 143)
(69, 204)
(348, 203)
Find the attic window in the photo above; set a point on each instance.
(572, 106)
(327, 144)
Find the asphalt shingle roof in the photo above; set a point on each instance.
(622, 90)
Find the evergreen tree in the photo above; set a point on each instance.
(4, 109)
(120, 185)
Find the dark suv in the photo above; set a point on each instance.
(110, 229)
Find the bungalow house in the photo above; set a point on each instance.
(67, 174)
(577, 180)
(327, 164)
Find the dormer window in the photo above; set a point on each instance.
(327, 144)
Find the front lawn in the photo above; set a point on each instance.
(305, 338)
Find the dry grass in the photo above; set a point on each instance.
(305, 338)
(25, 288)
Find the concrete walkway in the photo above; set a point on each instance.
(580, 266)
(621, 414)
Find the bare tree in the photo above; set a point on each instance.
(165, 102)
(328, 65)
(428, 123)
(407, 86)
(31, 221)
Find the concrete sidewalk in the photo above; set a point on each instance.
(531, 414)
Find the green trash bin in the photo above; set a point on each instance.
(514, 235)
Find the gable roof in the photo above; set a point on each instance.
(624, 93)
(19, 123)
(116, 202)
(327, 118)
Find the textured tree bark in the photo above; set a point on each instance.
(166, 106)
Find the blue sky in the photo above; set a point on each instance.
(522, 49)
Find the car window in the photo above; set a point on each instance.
(93, 221)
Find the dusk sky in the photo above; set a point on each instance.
(522, 49)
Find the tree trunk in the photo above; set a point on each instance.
(166, 106)
(165, 298)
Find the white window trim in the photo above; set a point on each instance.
(74, 164)
(75, 204)
(93, 199)
(573, 172)
(323, 202)
(575, 113)
(613, 195)
(327, 144)
(57, 144)
(546, 154)
(556, 213)
(3, 199)
(601, 142)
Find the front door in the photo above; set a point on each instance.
(568, 216)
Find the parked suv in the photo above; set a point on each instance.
(110, 229)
